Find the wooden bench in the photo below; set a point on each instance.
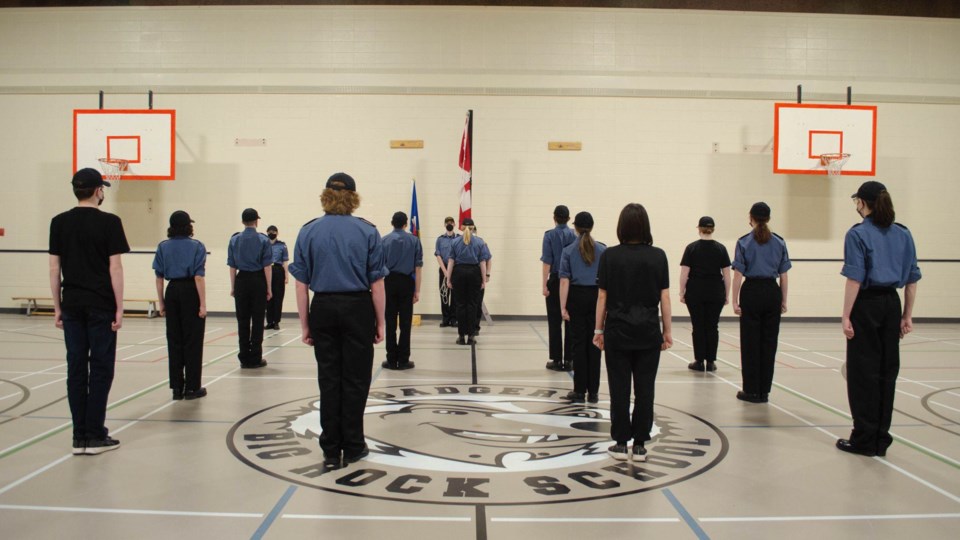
(38, 305)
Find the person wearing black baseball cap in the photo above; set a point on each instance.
(404, 258)
(554, 242)
(182, 261)
(86, 283)
(760, 258)
(705, 289)
(278, 279)
(250, 259)
(879, 257)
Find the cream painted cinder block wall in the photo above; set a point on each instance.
(664, 102)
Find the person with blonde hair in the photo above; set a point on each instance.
(467, 268)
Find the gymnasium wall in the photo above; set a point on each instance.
(674, 110)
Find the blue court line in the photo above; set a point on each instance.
(692, 523)
(274, 514)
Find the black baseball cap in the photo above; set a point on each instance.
(449, 219)
(272, 228)
(339, 181)
(249, 215)
(88, 178)
(561, 212)
(869, 191)
(468, 222)
(760, 210)
(707, 221)
(583, 220)
(180, 218)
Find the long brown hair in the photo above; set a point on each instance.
(761, 232)
(586, 245)
(633, 226)
(881, 210)
(341, 203)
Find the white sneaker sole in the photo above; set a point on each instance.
(618, 457)
(97, 450)
(638, 458)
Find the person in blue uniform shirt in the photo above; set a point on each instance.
(250, 260)
(554, 240)
(278, 279)
(448, 316)
(578, 303)
(879, 257)
(705, 289)
(340, 259)
(181, 260)
(404, 258)
(760, 258)
(467, 268)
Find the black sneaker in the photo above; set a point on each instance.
(255, 365)
(79, 447)
(639, 453)
(574, 397)
(331, 461)
(195, 394)
(593, 398)
(471, 340)
(461, 340)
(406, 365)
(711, 365)
(356, 457)
(618, 451)
(388, 365)
(751, 398)
(99, 446)
(567, 366)
(177, 395)
(553, 365)
(696, 366)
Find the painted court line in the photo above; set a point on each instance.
(329, 517)
(8, 396)
(272, 516)
(827, 518)
(687, 518)
(130, 511)
(583, 520)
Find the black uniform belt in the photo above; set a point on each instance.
(877, 291)
(456, 264)
(584, 286)
(182, 280)
(260, 271)
(341, 293)
(278, 264)
(761, 279)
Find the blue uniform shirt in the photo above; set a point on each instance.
(180, 257)
(279, 253)
(761, 261)
(474, 253)
(337, 253)
(554, 241)
(402, 252)
(879, 257)
(249, 251)
(574, 268)
(444, 243)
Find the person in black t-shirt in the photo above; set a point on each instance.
(705, 289)
(85, 268)
(634, 281)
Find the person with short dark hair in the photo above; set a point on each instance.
(340, 259)
(86, 282)
(278, 279)
(705, 289)
(554, 241)
(251, 270)
(404, 260)
(467, 268)
(181, 260)
(448, 316)
(760, 257)
(879, 257)
(632, 303)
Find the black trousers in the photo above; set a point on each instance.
(399, 292)
(873, 363)
(250, 299)
(638, 367)
(467, 283)
(91, 360)
(582, 306)
(557, 328)
(185, 330)
(278, 288)
(760, 302)
(704, 303)
(447, 311)
(343, 327)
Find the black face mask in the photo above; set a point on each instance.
(272, 236)
(449, 227)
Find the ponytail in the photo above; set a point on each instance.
(586, 246)
(467, 235)
(761, 233)
(881, 210)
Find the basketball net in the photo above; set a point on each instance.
(834, 163)
(113, 169)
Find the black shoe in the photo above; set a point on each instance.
(847, 446)
(461, 341)
(639, 453)
(554, 365)
(453, 323)
(255, 365)
(177, 395)
(711, 365)
(388, 365)
(752, 398)
(574, 397)
(276, 326)
(618, 452)
(593, 398)
(696, 365)
(567, 366)
(79, 447)
(195, 394)
(406, 365)
(99, 446)
(332, 461)
(471, 340)
(356, 457)
(476, 330)
(444, 324)
(268, 326)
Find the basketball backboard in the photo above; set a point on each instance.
(144, 138)
(803, 132)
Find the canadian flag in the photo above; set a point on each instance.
(466, 168)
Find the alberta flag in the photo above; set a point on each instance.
(466, 170)
(414, 213)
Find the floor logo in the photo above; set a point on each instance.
(469, 444)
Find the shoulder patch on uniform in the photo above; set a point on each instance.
(601, 244)
(744, 236)
(280, 242)
(367, 222)
(857, 224)
(311, 221)
(901, 225)
(777, 235)
(235, 234)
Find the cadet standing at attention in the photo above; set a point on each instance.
(278, 281)
(442, 252)
(467, 268)
(554, 240)
(340, 258)
(879, 257)
(249, 258)
(182, 261)
(404, 258)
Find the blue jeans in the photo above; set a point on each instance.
(91, 356)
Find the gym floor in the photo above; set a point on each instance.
(474, 443)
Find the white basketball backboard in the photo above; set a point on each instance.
(144, 138)
(802, 132)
